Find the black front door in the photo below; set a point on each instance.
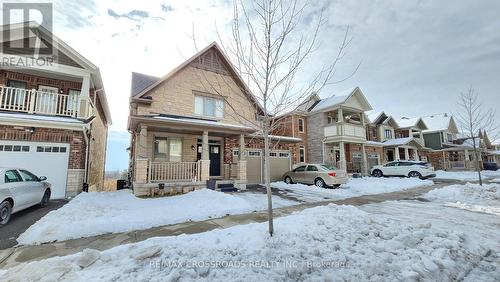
(390, 156)
(214, 156)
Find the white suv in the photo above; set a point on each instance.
(404, 168)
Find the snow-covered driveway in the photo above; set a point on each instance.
(466, 175)
(354, 188)
(98, 213)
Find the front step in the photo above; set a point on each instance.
(227, 187)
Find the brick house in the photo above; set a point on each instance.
(198, 123)
(54, 117)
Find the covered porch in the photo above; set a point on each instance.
(402, 149)
(172, 151)
(348, 156)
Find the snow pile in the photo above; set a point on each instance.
(354, 188)
(470, 196)
(98, 213)
(466, 175)
(323, 243)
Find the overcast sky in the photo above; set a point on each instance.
(416, 56)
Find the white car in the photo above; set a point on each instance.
(404, 168)
(21, 189)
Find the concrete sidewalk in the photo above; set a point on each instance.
(13, 256)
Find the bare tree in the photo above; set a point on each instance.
(271, 44)
(474, 119)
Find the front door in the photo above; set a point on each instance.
(214, 156)
(390, 155)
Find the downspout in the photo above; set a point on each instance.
(87, 136)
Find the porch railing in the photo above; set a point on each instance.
(39, 102)
(174, 171)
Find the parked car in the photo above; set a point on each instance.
(404, 168)
(321, 175)
(21, 189)
(490, 166)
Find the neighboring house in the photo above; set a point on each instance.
(54, 117)
(494, 152)
(192, 125)
(382, 130)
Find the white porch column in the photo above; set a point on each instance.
(415, 154)
(205, 158)
(364, 165)
(241, 182)
(340, 115)
(407, 154)
(396, 153)
(84, 110)
(342, 162)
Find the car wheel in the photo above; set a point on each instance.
(336, 186)
(45, 199)
(377, 173)
(288, 180)
(415, 174)
(320, 183)
(5, 212)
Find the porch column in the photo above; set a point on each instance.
(407, 154)
(142, 161)
(241, 182)
(396, 153)
(205, 158)
(415, 154)
(84, 110)
(340, 115)
(342, 162)
(364, 165)
(467, 159)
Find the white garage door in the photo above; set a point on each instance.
(43, 159)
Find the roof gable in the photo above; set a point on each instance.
(140, 82)
(352, 98)
(411, 123)
(211, 58)
(440, 122)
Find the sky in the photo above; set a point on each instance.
(414, 56)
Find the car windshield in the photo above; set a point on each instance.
(328, 167)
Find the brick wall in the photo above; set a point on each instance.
(97, 158)
(315, 125)
(435, 158)
(33, 81)
(289, 126)
(74, 138)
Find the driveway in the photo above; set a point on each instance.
(22, 220)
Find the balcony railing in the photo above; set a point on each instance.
(345, 129)
(174, 171)
(40, 102)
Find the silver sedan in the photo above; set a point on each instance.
(20, 189)
(321, 175)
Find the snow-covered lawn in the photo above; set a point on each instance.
(466, 175)
(332, 243)
(354, 188)
(469, 196)
(98, 213)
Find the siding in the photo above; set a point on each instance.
(433, 140)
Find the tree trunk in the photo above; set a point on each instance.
(478, 169)
(267, 179)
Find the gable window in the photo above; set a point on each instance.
(388, 134)
(208, 106)
(449, 137)
(301, 125)
(302, 154)
(169, 149)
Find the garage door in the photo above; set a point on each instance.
(254, 166)
(43, 159)
(279, 162)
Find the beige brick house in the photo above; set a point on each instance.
(54, 117)
(198, 123)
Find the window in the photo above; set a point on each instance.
(12, 176)
(168, 148)
(72, 102)
(236, 153)
(449, 137)
(283, 155)
(388, 134)
(254, 153)
(329, 120)
(273, 154)
(300, 168)
(28, 176)
(302, 154)
(312, 168)
(301, 125)
(18, 94)
(207, 106)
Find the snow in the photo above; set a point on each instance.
(466, 175)
(338, 98)
(354, 188)
(332, 243)
(408, 122)
(96, 213)
(39, 117)
(398, 141)
(469, 196)
(437, 122)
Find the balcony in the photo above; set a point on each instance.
(44, 103)
(345, 132)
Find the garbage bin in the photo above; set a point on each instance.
(211, 184)
(121, 184)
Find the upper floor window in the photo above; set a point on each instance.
(388, 134)
(330, 120)
(208, 106)
(301, 125)
(449, 137)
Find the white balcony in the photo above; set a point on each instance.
(346, 131)
(44, 103)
